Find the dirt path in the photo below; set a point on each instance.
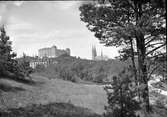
(54, 90)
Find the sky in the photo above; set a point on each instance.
(32, 25)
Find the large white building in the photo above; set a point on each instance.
(52, 52)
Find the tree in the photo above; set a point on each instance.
(117, 22)
(121, 96)
(24, 66)
(7, 62)
(9, 66)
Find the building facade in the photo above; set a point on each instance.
(45, 62)
(52, 52)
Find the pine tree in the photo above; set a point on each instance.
(7, 62)
(117, 22)
(24, 66)
(121, 94)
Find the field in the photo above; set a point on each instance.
(45, 91)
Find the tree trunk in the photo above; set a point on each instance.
(133, 60)
(145, 93)
(122, 108)
(166, 63)
(140, 41)
(134, 69)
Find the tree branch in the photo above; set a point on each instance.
(154, 44)
(156, 56)
(149, 40)
(155, 49)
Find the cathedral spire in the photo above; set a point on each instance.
(94, 53)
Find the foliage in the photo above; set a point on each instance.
(24, 66)
(8, 65)
(76, 70)
(39, 68)
(122, 96)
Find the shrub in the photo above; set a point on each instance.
(40, 68)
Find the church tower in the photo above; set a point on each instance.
(94, 53)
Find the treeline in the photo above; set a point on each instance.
(77, 70)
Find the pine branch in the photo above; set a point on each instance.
(156, 56)
(154, 44)
(149, 40)
(155, 49)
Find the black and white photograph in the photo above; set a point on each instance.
(83, 58)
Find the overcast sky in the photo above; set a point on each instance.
(34, 25)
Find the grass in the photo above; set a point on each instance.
(46, 91)
(49, 110)
(7, 88)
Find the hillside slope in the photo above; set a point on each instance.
(76, 69)
(50, 91)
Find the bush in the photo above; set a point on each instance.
(40, 68)
(75, 79)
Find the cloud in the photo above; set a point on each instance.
(3, 14)
(18, 3)
(65, 5)
(5, 10)
(15, 24)
(30, 43)
(35, 37)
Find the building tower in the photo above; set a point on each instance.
(94, 53)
